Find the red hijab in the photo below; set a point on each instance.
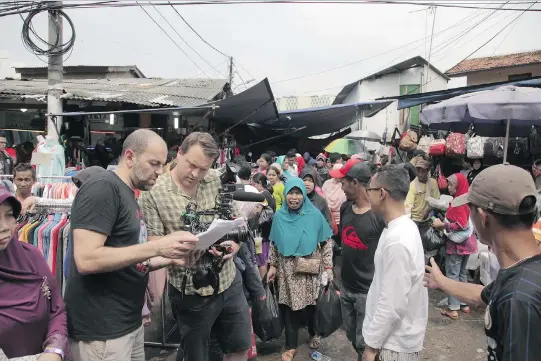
(461, 214)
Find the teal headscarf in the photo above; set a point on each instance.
(280, 160)
(297, 233)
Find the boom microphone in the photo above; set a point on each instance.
(242, 196)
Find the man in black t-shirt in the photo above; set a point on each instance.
(359, 233)
(110, 257)
(503, 209)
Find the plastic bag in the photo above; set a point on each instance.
(328, 317)
(266, 318)
(432, 239)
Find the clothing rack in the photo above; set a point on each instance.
(40, 176)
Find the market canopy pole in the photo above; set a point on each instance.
(55, 70)
(506, 144)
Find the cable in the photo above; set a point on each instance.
(61, 48)
(505, 37)
(185, 42)
(498, 33)
(196, 33)
(174, 42)
(464, 20)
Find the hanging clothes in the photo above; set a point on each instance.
(57, 164)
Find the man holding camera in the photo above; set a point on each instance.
(205, 299)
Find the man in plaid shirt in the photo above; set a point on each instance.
(200, 312)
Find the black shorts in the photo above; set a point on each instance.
(225, 315)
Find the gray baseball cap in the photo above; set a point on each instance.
(500, 189)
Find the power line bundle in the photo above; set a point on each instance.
(46, 48)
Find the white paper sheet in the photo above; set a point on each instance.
(217, 229)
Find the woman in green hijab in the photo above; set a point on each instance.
(299, 230)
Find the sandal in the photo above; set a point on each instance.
(465, 309)
(453, 315)
(315, 342)
(288, 355)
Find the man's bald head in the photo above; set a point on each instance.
(144, 154)
(139, 141)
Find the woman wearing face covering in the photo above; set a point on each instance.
(32, 314)
(312, 183)
(298, 230)
(476, 164)
(460, 243)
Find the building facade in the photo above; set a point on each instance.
(412, 76)
(500, 68)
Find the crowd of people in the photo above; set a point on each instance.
(313, 209)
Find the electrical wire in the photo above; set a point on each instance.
(185, 42)
(461, 22)
(51, 49)
(454, 4)
(196, 33)
(498, 33)
(174, 42)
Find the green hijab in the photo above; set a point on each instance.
(298, 232)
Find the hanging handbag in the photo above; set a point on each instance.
(437, 148)
(440, 178)
(455, 145)
(425, 142)
(494, 147)
(517, 150)
(475, 148)
(535, 142)
(310, 265)
(408, 142)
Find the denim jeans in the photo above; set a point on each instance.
(353, 312)
(455, 269)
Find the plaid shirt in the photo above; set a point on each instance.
(162, 208)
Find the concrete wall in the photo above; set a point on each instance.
(389, 86)
(502, 74)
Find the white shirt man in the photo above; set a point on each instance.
(397, 302)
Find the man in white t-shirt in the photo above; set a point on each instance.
(397, 302)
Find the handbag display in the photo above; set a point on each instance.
(408, 142)
(535, 142)
(425, 142)
(437, 148)
(494, 147)
(517, 150)
(455, 144)
(310, 265)
(475, 147)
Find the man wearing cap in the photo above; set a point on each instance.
(503, 209)
(321, 167)
(359, 232)
(421, 188)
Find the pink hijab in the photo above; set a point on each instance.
(334, 195)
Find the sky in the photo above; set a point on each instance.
(279, 41)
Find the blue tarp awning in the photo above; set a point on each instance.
(324, 120)
(411, 100)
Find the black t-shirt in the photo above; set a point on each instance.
(108, 305)
(359, 234)
(513, 314)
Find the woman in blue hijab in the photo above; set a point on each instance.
(298, 230)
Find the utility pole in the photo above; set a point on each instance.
(231, 72)
(55, 74)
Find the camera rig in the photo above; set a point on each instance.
(206, 272)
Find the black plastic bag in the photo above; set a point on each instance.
(328, 311)
(432, 239)
(266, 319)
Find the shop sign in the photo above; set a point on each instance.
(23, 121)
(102, 118)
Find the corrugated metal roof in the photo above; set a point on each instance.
(495, 62)
(146, 92)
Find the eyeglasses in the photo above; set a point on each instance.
(376, 189)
